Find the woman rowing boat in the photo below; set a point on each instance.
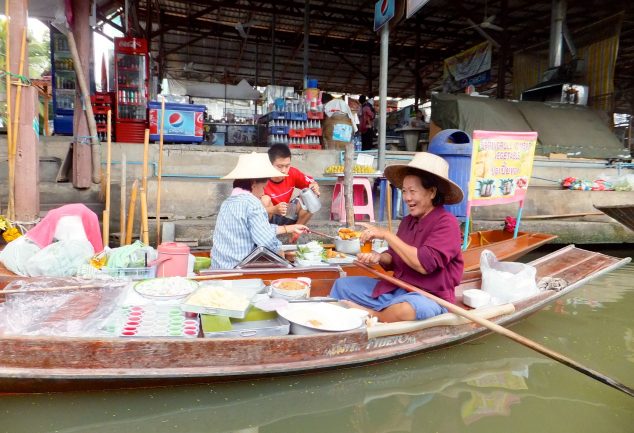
(424, 252)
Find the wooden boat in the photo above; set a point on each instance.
(35, 363)
(623, 213)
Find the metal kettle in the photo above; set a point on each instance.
(309, 200)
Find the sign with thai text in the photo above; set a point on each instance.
(501, 166)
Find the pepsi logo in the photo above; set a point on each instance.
(384, 5)
(176, 120)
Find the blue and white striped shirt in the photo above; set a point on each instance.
(242, 224)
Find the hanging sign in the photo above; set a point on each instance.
(472, 66)
(383, 12)
(501, 166)
(414, 5)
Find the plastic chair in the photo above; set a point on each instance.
(363, 202)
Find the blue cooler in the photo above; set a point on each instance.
(183, 123)
(455, 147)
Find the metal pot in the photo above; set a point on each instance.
(309, 200)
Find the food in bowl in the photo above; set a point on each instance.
(347, 233)
(289, 288)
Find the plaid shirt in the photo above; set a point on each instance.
(242, 224)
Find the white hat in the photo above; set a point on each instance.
(253, 166)
(430, 164)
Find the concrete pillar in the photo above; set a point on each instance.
(82, 155)
(25, 186)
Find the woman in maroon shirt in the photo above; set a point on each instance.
(425, 251)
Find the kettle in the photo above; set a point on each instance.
(309, 200)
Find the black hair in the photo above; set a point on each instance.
(362, 99)
(429, 181)
(247, 184)
(279, 151)
(326, 98)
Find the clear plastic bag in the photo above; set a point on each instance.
(78, 309)
(506, 281)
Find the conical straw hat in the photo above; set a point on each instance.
(431, 164)
(253, 166)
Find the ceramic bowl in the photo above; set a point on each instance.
(290, 288)
(350, 246)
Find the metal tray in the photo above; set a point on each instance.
(258, 328)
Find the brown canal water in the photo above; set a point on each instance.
(489, 385)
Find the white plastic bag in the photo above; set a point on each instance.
(60, 259)
(17, 253)
(506, 281)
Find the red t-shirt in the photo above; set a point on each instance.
(438, 240)
(281, 192)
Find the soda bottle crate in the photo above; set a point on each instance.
(297, 133)
(305, 146)
(315, 115)
(313, 132)
(274, 115)
(278, 130)
(101, 98)
(297, 116)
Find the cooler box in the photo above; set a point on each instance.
(183, 123)
(455, 146)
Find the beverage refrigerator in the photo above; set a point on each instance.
(63, 82)
(131, 79)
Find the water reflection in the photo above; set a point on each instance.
(374, 399)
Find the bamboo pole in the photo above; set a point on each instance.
(160, 173)
(145, 237)
(7, 76)
(14, 134)
(388, 198)
(131, 210)
(146, 152)
(453, 308)
(106, 212)
(122, 205)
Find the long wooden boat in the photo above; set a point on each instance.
(34, 363)
(623, 213)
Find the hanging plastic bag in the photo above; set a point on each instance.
(506, 281)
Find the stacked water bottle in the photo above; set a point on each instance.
(293, 127)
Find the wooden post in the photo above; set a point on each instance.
(160, 173)
(27, 197)
(122, 205)
(12, 144)
(145, 236)
(348, 179)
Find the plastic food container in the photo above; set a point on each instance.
(290, 288)
(475, 298)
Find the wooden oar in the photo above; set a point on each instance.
(322, 234)
(131, 210)
(215, 276)
(447, 319)
(160, 173)
(503, 331)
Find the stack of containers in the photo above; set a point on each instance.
(101, 103)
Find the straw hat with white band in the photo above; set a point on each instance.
(253, 166)
(430, 164)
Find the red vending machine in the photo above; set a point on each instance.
(131, 77)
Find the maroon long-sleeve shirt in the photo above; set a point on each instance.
(438, 240)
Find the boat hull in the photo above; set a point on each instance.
(38, 364)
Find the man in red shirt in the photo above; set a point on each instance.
(279, 190)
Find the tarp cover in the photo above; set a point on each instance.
(243, 90)
(562, 128)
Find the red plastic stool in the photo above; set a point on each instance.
(363, 203)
